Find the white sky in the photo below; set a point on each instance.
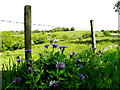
(64, 13)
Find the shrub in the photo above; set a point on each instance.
(102, 30)
(86, 35)
(64, 37)
(54, 35)
(39, 40)
(106, 33)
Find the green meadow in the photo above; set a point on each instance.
(100, 73)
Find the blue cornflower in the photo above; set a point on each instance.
(31, 60)
(27, 50)
(90, 61)
(87, 43)
(100, 55)
(30, 70)
(82, 76)
(46, 46)
(62, 48)
(54, 45)
(60, 65)
(40, 54)
(80, 65)
(19, 61)
(78, 60)
(54, 83)
(18, 80)
(73, 53)
(94, 48)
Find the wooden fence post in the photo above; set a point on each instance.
(27, 31)
(93, 37)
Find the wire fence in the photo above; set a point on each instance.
(32, 24)
(8, 21)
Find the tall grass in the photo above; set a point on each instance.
(99, 70)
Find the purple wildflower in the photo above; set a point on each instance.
(73, 53)
(18, 61)
(18, 80)
(80, 65)
(31, 60)
(54, 45)
(54, 83)
(60, 65)
(82, 76)
(40, 54)
(77, 60)
(100, 55)
(46, 46)
(62, 48)
(90, 61)
(27, 50)
(87, 43)
(30, 69)
(94, 48)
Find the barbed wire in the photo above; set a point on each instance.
(32, 24)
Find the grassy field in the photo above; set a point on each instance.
(83, 70)
(74, 45)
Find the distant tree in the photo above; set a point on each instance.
(36, 31)
(117, 7)
(102, 30)
(72, 29)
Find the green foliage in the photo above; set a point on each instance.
(106, 33)
(80, 37)
(39, 38)
(102, 30)
(36, 31)
(101, 72)
(86, 35)
(64, 37)
(11, 42)
(114, 31)
(117, 6)
(54, 35)
(72, 29)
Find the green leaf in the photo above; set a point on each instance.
(37, 78)
(61, 72)
(27, 82)
(63, 79)
(70, 75)
(78, 68)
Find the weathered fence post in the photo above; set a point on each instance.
(27, 31)
(93, 37)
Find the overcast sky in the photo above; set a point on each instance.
(64, 13)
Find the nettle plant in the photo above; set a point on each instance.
(53, 69)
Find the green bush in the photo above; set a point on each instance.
(64, 37)
(106, 33)
(86, 35)
(39, 40)
(54, 35)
